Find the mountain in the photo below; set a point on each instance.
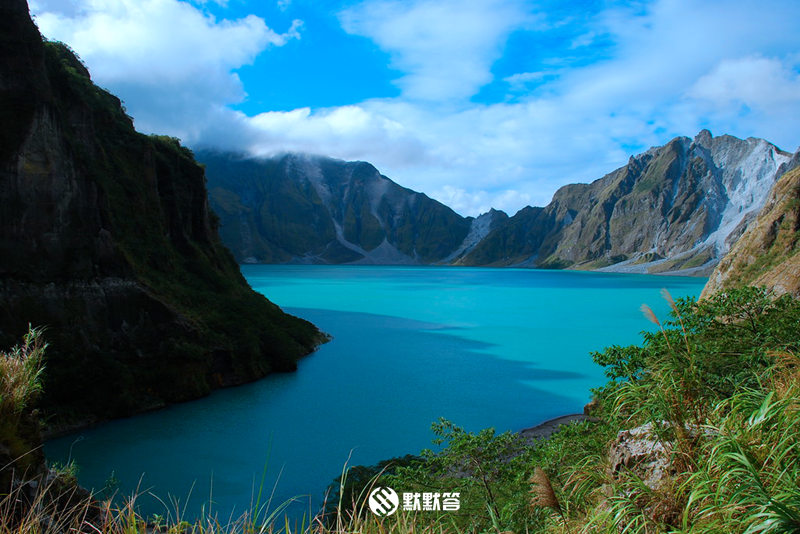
(310, 209)
(107, 240)
(767, 253)
(674, 208)
(677, 207)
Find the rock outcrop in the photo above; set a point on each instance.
(641, 452)
(107, 240)
(767, 253)
(310, 209)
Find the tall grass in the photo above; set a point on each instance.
(750, 475)
(20, 373)
(719, 386)
(47, 515)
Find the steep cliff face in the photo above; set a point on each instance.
(106, 238)
(311, 209)
(674, 207)
(767, 253)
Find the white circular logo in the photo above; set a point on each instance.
(383, 501)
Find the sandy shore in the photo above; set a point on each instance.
(548, 428)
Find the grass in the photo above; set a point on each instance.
(20, 373)
(20, 383)
(56, 509)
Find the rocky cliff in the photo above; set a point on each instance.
(678, 207)
(107, 240)
(310, 209)
(767, 253)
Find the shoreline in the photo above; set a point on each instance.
(547, 428)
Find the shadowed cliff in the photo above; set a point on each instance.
(107, 240)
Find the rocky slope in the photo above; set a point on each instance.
(310, 209)
(767, 253)
(675, 207)
(106, 238)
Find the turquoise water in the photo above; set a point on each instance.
(506, 348)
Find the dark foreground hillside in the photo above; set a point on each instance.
(107, 241)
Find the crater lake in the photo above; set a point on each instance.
(482, 347)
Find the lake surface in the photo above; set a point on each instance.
(506, 348)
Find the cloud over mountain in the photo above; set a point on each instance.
(499, 103)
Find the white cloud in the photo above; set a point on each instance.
(675, 68)
(349, 132)
(519, 81)
(670, 68)
(444, 47)
(489, 156)
(756, 82)
(481, 201)
(223, 3)
(170, 63)
(67, 7)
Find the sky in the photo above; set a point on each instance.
(477, 103)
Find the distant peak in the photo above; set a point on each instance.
(499, 213)
(492, 214)
(703, 138)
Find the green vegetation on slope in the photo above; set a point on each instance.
(20, 383)
(32, 498)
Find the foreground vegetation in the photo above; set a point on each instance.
(697, 431)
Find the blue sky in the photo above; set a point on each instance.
(482, 103)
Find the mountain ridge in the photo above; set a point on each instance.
(673, 208)
(669, 203)
(312, 209)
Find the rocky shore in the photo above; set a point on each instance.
(548, 428)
